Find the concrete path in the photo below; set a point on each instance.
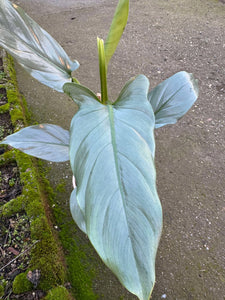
(162, 37)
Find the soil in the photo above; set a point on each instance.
(3, 98)
(6, 127)
(10, 186)
(162, 37)
(14, 239)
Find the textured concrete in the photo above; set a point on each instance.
(162, 37)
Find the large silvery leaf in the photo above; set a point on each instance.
(172, 98)
(46, 141)
(116, 29)
(33, 47)
(112, 159)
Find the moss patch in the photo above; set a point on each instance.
(1, 290)
(45, 255)
(80, 270)
(58, 293)
(21, 284)
(36, 196)
(4, 108)
(17, 103)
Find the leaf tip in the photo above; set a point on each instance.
(194, 84)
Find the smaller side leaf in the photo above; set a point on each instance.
(45, 141)
(172, 98)
(80, 94)
(116, 30)
(38, 53)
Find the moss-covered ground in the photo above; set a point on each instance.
(46, 251)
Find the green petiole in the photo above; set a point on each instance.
(102, 70)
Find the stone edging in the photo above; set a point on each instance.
(46, 256)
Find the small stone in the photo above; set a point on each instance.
(14, 251)
(34, 276)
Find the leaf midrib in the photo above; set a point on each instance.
(115, 151)
(165, 103)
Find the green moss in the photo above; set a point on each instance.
(45, 255)
(2, 75)
(4, 108)
(7, 157)
(1, 291)
(21, 284)
(61, 187)
(16, 115)
(58, 293)
(12, 95)
(13, 206)
(17, 103)
(9, 68)
(80, 271)
(34, 209)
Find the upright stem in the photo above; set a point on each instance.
(102, 70)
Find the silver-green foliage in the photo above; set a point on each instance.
(33, 47)
(121, 211)
(110, 145)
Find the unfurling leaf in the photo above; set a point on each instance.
(102, 70)
(116, 29)
(34, 48)
(116, 201)
(172, 98)
(46, 141)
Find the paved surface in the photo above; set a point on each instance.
(162, 38)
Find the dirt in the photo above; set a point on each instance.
(14, 235)
(14, 239)
(10, 186)
(162, 37)
(3, 98)
(5, 126)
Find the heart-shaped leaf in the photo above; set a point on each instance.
(33, 47)
(112, 159)
(46, 141)
(172, 98)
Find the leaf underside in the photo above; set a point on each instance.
(38, 53)
(116, 201)
(46, 141)
(172, 98)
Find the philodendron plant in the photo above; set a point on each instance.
(110, 145)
